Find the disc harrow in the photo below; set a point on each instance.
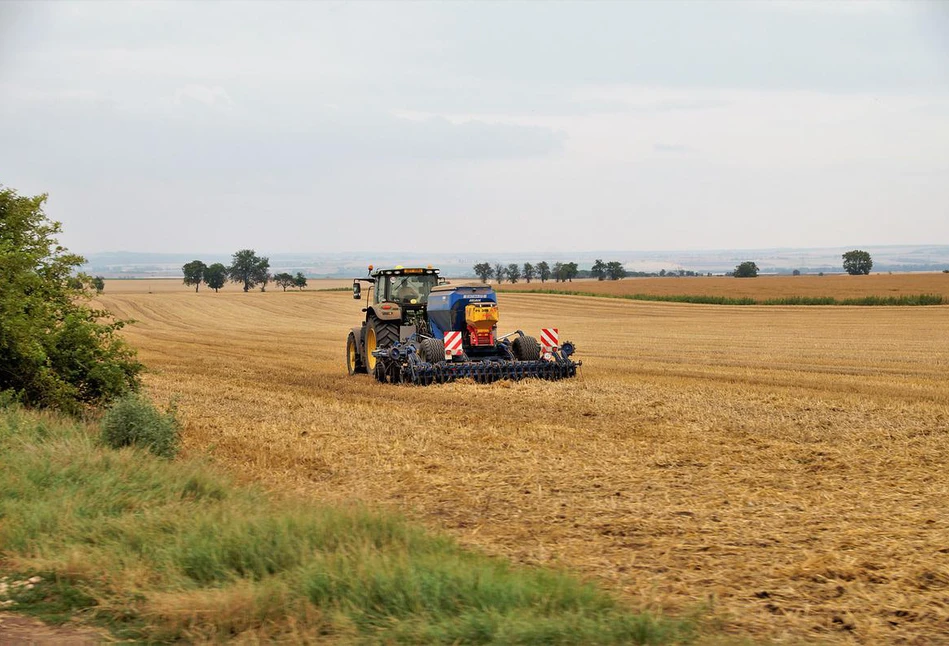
(402, 363)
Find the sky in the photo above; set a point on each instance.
(517, 126)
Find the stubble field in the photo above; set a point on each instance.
(784, 468)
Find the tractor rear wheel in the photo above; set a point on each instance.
(353, 359)
(379, 334)
(526, 348)
(433, 350)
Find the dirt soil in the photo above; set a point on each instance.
(19, 630)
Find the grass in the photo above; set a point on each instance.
(174, 551)
(901, 300)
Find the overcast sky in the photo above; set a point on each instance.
(355, 126)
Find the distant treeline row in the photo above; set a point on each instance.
(562, 272)
(906, 299)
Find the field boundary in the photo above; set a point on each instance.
(905, 300)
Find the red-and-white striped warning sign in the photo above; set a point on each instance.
(452, 344)
(549, 338)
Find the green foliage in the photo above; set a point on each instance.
(499, 272)
(599, 270)
(299, 280)
(543, 271)
(121, 536)
(194, 273)
(484, 271)
(529, 272)
(513, 272)
(747, 269)
(796, 272)
(283, 279)
(615, 270)
(54, 350)
(215, 275)
(857, 262)
(134, 421)
(99, 284)
(249, 269)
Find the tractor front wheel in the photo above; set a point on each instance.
(354, 362)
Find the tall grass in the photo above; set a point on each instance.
(165, 551)
(903, 300)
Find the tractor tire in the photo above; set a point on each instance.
(432, 350)
(379, 334)
(354, 362)
(526, 348)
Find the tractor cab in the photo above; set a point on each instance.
(408, 287)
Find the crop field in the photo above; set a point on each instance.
(760, 288)
(784, 469)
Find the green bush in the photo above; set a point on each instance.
(134, 421)
(55, 352)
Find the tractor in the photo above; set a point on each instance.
(419, 329)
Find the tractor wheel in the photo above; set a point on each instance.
(526, 348)
(433, 350)
(379, 334)
(353, 359)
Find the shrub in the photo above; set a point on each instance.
(134, 421)
(54, 351)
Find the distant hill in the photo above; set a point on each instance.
(131, 264)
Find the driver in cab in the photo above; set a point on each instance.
(405, 292)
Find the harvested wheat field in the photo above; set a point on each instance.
(786, 469)
(840, 286)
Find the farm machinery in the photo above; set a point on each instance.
(420, 330)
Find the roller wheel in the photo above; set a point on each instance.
(432, 350)
(379, 334)
(526, 348)
(354, 362)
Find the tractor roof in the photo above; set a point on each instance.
(399, 270)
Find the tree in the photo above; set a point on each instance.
(484, 271)
(54, 350)
(499, 272)
(299, 281)
(543, 271)
(263, 278)
(796, 272)
(283, 279)
(615, 270)
(558, 272)
(99, 283)
(194, 273)
(246, 267)
(215, 276)
(513, 272)
(529, 271)
(747, 269)
(599, 270)
(857, 262)
(570, 271)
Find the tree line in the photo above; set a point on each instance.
(246, 268)
(560, 272)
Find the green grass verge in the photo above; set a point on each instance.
(906, 300)
(172, 551)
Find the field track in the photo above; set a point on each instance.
(787, 465)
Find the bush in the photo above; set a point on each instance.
(54, 351)
(134, 421)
